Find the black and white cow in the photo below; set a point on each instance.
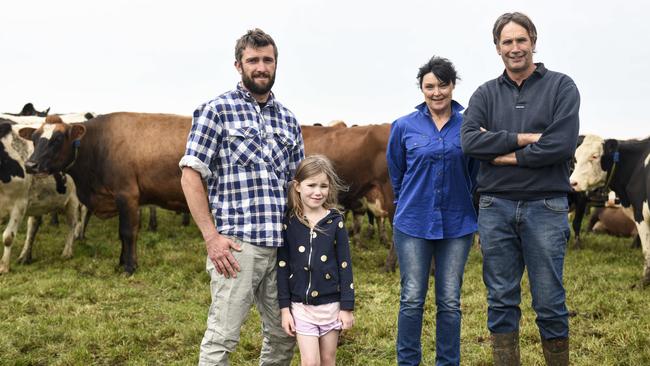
(623, 167)
(27, 195)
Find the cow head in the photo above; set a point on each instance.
(55, 145)
(9, 165)
(594, 159)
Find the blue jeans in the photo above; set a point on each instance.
(415, 255)
(524, 234)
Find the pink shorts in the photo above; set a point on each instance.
(316, 330)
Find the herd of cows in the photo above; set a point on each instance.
(108, 165)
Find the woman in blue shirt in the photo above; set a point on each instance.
(435, 218)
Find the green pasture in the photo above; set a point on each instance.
(84, 311)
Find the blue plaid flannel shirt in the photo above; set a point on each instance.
(246, 155)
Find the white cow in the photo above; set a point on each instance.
(624, 167)
(24, 194)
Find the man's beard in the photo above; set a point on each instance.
(255, 88)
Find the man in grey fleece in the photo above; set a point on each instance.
(523, 126)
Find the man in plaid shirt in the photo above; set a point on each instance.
(246, 146)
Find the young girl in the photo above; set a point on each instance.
(315, 287)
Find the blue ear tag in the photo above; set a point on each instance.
(76, 143)
(616, 156)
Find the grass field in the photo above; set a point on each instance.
(84, 311)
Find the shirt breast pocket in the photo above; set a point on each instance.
(283, 146)
(417, 145)
(245, 146)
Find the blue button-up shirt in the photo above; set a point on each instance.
(432, 179)
(246, 154)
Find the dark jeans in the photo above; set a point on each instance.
(524, 234)
(415, 255)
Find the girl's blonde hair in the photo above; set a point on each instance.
(313, 165)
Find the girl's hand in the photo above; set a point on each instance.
(287, 322)
(347, 318)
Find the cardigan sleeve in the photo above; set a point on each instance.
(344, 266)
(283, 271)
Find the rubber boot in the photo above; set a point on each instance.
(556, 351)
(505, 349)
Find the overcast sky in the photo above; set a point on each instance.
(349, 60)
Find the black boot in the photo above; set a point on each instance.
(556, 351)
(505, 349)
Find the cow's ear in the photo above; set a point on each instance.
(77, 132)
(607, 160)
(26, 132)
(581, 138)
(611, 145)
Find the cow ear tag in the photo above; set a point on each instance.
(76, 143)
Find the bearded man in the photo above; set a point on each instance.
(246, 146)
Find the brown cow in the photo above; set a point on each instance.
(359, 157)
(118, 161)
(613, 221)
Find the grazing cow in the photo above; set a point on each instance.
(118, 161)
(623, 167)
(359, 157)
(22, 194)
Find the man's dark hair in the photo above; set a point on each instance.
(255, 38)
(518, 18)
(442, 68)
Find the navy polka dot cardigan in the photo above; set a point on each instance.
(314, 265)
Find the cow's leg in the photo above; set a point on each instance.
(644, 234)
(581, 207)
(356, 229)
(370, 229)
(153, 219)
(391, 259)
(383, 235)
(54, 219)
(74, 224)
(185, 220)
(33, 223)
(129, 213)
(84, 215)
(15, 218)
(636, 243)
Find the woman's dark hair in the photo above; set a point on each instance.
(442, 68)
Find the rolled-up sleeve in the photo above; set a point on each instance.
(203, 141)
